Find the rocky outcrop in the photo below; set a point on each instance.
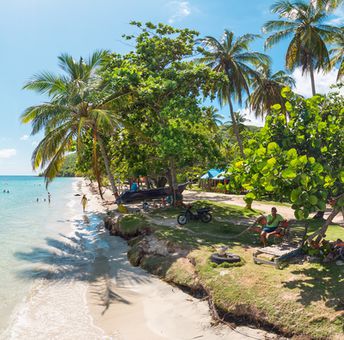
(160, 257)
(113, 224)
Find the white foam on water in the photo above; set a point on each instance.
(55, 306)
(55, 310)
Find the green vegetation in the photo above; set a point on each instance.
(304, 23)
(299, 160)
(300, 299)
(68, 168)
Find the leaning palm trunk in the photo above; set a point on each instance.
(235, 127)
(336, 209)
(107, 166)
(321, 233)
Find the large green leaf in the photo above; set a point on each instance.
(313, 200)
(294, 196)
(299, 214)
(289, 173)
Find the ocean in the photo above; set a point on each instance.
(38, 247)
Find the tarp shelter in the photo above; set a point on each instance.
(221, 176)
(210, 174)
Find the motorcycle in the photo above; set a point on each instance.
(202, 214)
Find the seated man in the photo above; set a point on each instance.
(269, 225)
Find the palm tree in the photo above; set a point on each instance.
(328, 5)
(303, 24)
(215, 119)
(241, 121)
(267, 90)
(77, 107)
(233, 58)
(337, 53)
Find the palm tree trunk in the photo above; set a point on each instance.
(173, 180)
(311, 71)
(99, 185)
(95, 163)
(107, 166)
(235, 127)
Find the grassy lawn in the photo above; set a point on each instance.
(300, 299)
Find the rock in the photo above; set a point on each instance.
(340, 263)
(155, 246)
(135, 255)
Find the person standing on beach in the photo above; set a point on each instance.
(84, 202)
(49, 197)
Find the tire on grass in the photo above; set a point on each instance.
(230, 258)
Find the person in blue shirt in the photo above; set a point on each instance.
(134, 187)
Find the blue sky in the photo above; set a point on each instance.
(34, 32)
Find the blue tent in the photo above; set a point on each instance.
(221, 176)
(211, 173)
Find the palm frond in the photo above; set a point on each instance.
(275, 38)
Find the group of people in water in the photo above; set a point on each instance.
(44, 199)
(6, 191)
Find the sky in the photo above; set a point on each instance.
(33, 33)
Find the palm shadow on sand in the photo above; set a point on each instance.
(84, 257)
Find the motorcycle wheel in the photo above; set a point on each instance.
(206, 218)
(182, 219)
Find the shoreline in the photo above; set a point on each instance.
(56, 305)
(126, 294)
(91, 291)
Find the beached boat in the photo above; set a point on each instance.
(142, 195)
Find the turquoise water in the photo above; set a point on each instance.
(25, 227)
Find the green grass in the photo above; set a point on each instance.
(130, 224)
(221, 210)
(300, 299)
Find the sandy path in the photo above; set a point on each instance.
(285, 211)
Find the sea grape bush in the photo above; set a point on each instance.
(296, 158)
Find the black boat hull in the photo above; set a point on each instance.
(142, 195)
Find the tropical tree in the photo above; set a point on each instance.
(299, 161)
(337, 53)
(241, 121)
(165, 124)
(303, 23)
(215, 118)
(232, 57)
(77, 106)
(267, 90)
(328, 5)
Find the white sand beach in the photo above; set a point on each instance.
(92, 292)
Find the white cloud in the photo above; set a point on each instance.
(337, 17)
(34, 143)
(181, 9)
(24, 137)
(7, 153)
(322, 82)
(251, 119)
